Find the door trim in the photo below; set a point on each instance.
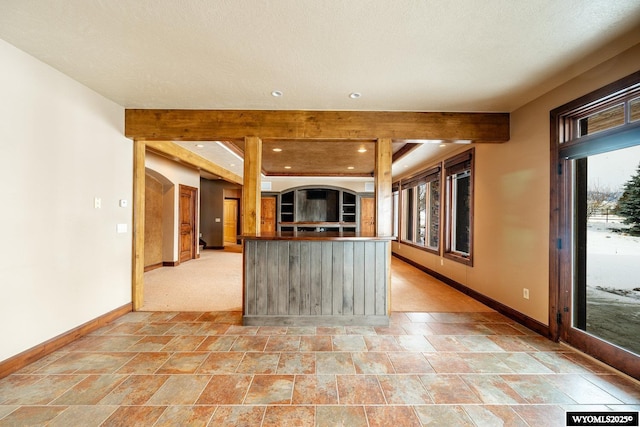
(194, 220)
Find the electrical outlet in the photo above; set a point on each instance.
(525, 293)
(97, 203)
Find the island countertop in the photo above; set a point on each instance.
(312, 235)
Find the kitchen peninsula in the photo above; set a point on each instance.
(308, 278)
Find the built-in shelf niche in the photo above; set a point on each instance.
(318, 209)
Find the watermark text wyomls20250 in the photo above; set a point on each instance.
(602, 419)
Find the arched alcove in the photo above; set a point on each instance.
(159, 219)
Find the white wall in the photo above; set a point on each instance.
(177, 174)
(61, 261)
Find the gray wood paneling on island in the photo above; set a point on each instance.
(316, 279)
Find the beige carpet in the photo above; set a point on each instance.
(214, 283)
(211, 283)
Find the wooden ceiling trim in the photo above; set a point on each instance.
(207, 125)
(406, 149)
(175, 152)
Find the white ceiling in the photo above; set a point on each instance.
(401, 55)
(417, 55)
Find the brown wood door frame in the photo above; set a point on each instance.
(561, 243)
(268, 214)
(192, 226)
(371, 202)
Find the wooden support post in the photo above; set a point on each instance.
(384, 197)
(137, 275)
(384, 202)
(251, 190)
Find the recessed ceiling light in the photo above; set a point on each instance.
(362, 150)
(351, 168)
(277, 150)
(199, 145)
(277, 93)
(355, 95)
(287, 167)
(232, 164)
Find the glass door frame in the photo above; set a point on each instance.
(562, 241)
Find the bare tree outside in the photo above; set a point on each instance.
(601, 199)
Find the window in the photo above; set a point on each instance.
(602, 120)
(634, 110)
(421, 210)
(459, 207)
(605, 117)
(396, 209)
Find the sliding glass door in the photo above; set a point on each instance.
(595, 224)
(606, 288)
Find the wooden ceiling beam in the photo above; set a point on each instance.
(208, 125)
(406, 149)
(179, 154)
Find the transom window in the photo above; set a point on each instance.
(608, 115)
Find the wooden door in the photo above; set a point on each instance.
(268, 215)
(230, 221)
(367, 215)
(188, 237)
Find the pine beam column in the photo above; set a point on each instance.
(382, 182)
(137, 279)
(384, 203)
(251, 190)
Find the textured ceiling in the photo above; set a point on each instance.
(417, 55)
(401, 55)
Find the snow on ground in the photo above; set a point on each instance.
(613, 272)
(613, 258)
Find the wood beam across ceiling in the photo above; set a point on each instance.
(207, 125)
(179, 154)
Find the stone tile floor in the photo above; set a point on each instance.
(187, 368)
